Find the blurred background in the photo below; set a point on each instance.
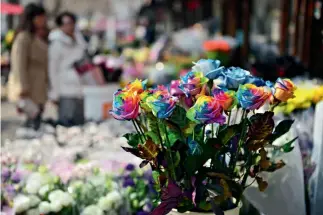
(158, 40)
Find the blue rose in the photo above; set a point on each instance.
(208, 67)
(235, 76)
(259, 82)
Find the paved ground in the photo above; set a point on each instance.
(10, 120)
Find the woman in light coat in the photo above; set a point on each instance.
(28, 78)
(66, 48)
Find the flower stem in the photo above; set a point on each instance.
(229, 118)
(159, 134)
(140, 129)
(140, 135)
(212, 130)
(203, 134)
(273, 107)
(170, 153)
(245, 177)
(234, 158)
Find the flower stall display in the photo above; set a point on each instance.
(80, 188)
(200, 160)
(139, 190)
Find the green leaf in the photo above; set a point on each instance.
(155, 176)
(179, 117)
(195, 162)
(205, 206)
(226, 134)
(177, 159)
(281, 129)
(261, 125)
(152, 123)
(154, 136)
(133, 139)
(287, 147)
(173, 136)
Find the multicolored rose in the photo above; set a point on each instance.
(125, 105)
(284, 89)
(206, 110)
(174, 88)
(162, 104)
(136, 86)
(192, 83)
(226, 98)
(251, 97)
(207, 66)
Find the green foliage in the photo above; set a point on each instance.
(133, 139)
(282, 128)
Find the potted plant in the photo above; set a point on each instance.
(200, 157)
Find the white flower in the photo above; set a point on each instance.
(114, 197)
(44, 190)
(55, 195)
(32, 187)
(91, 210)
(97, 180)
(58, 199)
(105, 203)
(66, 199)
(56, 206)
(112, 212)
(21, 203)
(35, 181)
(34, 201)
(44, 208)
(34, 211)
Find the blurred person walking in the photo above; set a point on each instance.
(28, 79)
(67, 47)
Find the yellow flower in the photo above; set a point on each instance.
(318, 94)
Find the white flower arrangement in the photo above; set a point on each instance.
(21, 203)
(36, 180)
(92, 209)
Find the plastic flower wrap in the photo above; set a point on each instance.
(193, 146)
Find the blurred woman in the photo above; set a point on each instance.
(66, 49)
(28, 78)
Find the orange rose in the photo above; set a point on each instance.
(284, 89)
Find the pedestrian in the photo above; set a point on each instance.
(67, 47)
(28, 79)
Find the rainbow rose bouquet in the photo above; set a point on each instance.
(200, 158)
